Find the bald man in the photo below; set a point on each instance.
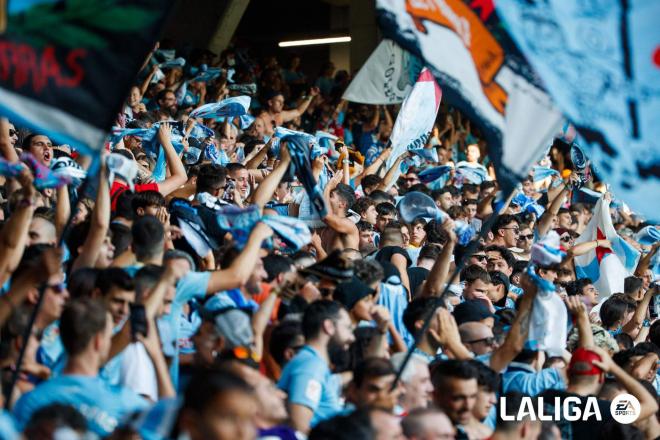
(477, 337)
(427, 423)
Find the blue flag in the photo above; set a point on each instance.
(431, 174)
(67, 66)
(300, 158)
(599, 61)
(236, 106)
(481, 73)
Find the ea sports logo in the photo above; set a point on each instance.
(625, 408)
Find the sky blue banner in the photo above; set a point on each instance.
(600, 62)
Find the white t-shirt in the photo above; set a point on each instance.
(138, 372)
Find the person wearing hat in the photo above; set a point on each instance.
(474, 310)
(586, 373)
(330, 271)
(223, 331)
(499, 291)
(442, 332)
(358, 298)
(360, 301)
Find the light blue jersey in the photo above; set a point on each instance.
(7, 427)
(51, 350)
(193, 285)
(522, 378)
(104, 406)
(308, 381)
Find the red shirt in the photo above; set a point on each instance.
(117, 188)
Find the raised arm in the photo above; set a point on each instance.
(485, 206)
(391, 174)
(388, 118)
(238, 273)
(448, 336)
(268, 186)
(145, 84)
(648, 402)
(339, 224)
(154, 349)
(373, 123)
(288, 115)
(260, 321)
(635, 324)
(99, 225)
(62, 209)
(14, 235)
(583, 248)
(545, 222)
(440, 271)
(178, 174)
(581, 321)
(255, 158)
(515, 339)
(645, 261)
(376, 164)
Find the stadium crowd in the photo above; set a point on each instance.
(151, 318)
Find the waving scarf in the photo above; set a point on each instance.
(300, 159)
(235, 106)
(10, 169)
(44, 178)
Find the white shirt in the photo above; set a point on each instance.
(137, 371)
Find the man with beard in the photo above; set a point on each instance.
(455, 391)
(313, 390)
(241, 297)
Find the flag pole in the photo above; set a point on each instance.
(42, 288)
(438, 300)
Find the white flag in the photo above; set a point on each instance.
(386, 78)
(416, 117)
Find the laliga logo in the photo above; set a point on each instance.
(625, 408)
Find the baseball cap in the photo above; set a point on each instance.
(351, 292)
(471, 310)
(233, 324)
(334, 267)
(582, 363)
(498, 277)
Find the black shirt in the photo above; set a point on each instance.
(385, 254)
(587, 429)
(416, 276)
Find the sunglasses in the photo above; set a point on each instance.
(488, 341)
(13, 132)
(527, 237)
(480, 257)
